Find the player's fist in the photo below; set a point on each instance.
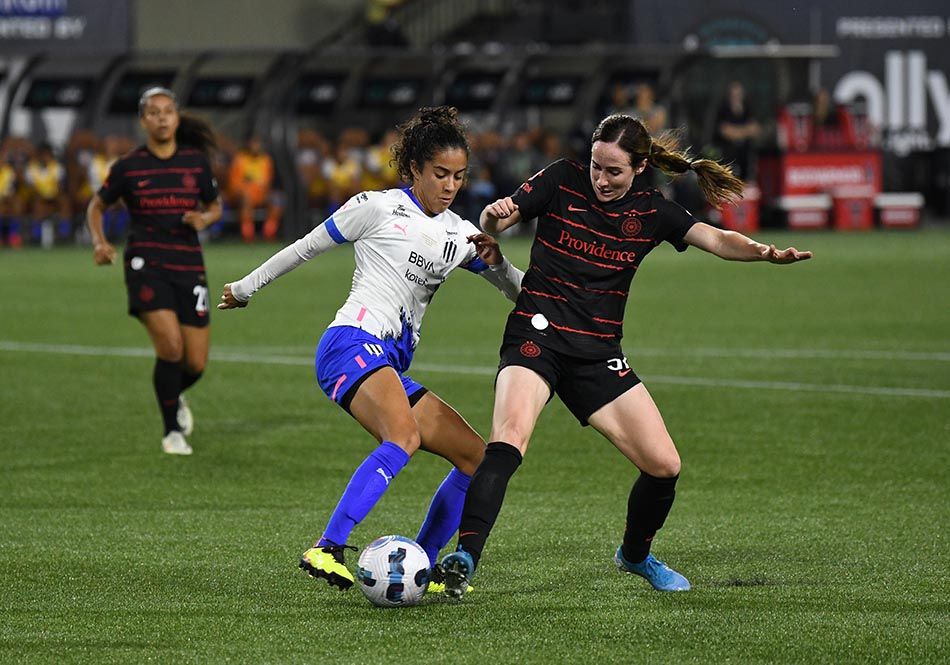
(228, 301)
(194, 219)
(501, 208)
(103, 254)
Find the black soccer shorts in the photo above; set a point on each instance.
(583, 384)
(186, 296)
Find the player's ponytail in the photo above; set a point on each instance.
(431, 130)
(195, 133)
(716, 181)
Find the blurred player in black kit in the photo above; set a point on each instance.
(563, 336)
(171, 194)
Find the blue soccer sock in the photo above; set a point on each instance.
(445, 513)
(367, 486)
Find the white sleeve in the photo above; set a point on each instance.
(505, 277)
(291, 256)
(356, 218)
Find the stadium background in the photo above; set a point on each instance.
(809, 402)
(320, 82)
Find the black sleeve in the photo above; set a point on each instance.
(673, 223)
(115, 185)
(534, 195)
(207, 183)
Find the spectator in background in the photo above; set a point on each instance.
(49, 207)
(645, 107)
(521, 162)
(116, 219)
(312, 151)
(736, 131)
(382, 29)
(620, 101)
(344, 172)
(653, 116)
(379, 169)
(251, 187)
(9, 204)
(77, 155)
(827, 127)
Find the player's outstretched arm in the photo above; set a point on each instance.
(281, 263)
(734, 246)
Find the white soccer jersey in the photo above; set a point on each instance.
(402, 257)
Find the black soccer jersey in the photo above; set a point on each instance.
(157, 193)
(584, 256)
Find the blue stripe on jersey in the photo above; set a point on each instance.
(334, 231)
(476, 265)
(414, 199)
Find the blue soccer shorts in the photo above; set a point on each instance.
(347, 356)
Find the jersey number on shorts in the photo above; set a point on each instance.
(617, 364)
(201, 298)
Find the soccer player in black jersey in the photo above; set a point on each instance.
(563, 336)
(171, 194)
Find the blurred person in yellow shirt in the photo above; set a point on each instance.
(45, 176)
(9, 205)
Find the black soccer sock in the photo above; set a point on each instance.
(650, 501)
(188, 379)
(485, 496)
(167, 381)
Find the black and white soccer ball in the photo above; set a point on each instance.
(393, 572)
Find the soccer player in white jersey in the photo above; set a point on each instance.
(406, 242)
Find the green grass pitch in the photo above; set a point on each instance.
(810, 404)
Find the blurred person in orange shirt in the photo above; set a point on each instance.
(251, 186)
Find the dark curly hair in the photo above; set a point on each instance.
(717, 182)
(431, 130)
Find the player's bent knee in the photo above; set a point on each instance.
(408, 439)
(468, 459)
(195, 366)
(664, 467)
(512, 433)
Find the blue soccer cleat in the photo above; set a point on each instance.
(654, 571)
(458, 568)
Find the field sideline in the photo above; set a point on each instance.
(810, 404)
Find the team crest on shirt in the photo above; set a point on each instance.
(631, 227)
(530, 350)
(448, 251)
(188, 181)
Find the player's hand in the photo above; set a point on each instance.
(228, 301)
(501, 208)
(487, 248)
(790, 255)
(103, 254)
(194, 219)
